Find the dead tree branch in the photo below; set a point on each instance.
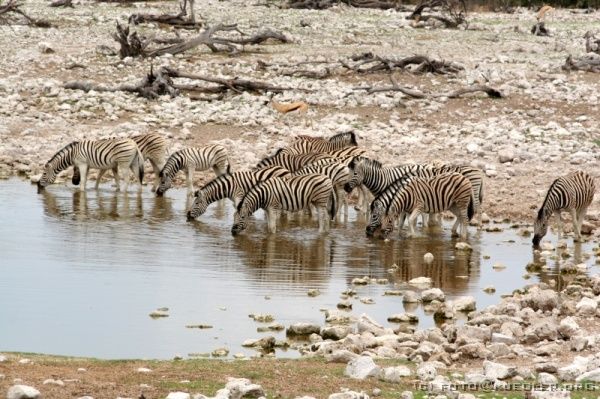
(216, 44)
(62, 3)
(491, 92)
(369, 63)
(180, 20)
(324, 4)
(395, 87)
(451, 13)
(131, 44)
(11, 13)
(588, 63)
(539, 29)
(161, 82)
(592, 44)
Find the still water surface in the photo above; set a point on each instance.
(82, 272)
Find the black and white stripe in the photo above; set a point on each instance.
(417, 195)
(119, 155)
(574, 193)
(382, 202)
(232, 186)
(339, 175)
(287, 194)
(294, 162)
(307, 144)
(154, 149)
(190, 160)
(475, 176)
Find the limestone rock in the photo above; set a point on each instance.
(22, 392)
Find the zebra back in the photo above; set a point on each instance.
(573, 191)
(337, 172)
(475, 176)
(196, 159)
(293, 162)
(306, 144)
(152, 145)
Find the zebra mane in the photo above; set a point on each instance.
(542, 211)
(371, 162)
(338, 136)
(62, 151)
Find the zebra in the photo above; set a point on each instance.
(381, 203)
(574, 193)
(339, 175)
(376, 177)
(287, 194)
(153, 147)
(232, 186)
(293, 162)
(474, 175)
(307, 144)
(447, 191)
(117, 154)
(190, 160)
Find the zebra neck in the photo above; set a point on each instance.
(174, 165)
(219, 188)
(64, 159)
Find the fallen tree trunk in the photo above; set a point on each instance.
(588, 63)
(324, 4)
(11, 11)
(452, 12)
(369, 63)
(62, 3)
(216, 44)
(491, 92)
(161, 82)
(179, 20)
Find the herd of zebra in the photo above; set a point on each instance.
(313, 173)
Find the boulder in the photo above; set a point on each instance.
(540, 330)
(568, 327)
(335, 332)
(303, 329)
(574, 370)
(361, 368)
(498, 371)
(464, 304)
(394, 374)
(22, 392)
(433, 294)
(242, 388)
(411, 297)
(366, 323)
(426, 372)
(340, 356)
(586, 307)
(472, 334)
(403, 318)
(591, 376)
(540, 299)
(349, 395)
(503, 339)
(547, 379)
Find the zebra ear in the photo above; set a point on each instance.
(352, 163)
(353, 140)
(196, 193)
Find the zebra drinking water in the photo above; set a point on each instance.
(120, 155)
(190, 160)
(448, 191)
(574, 193)
(339, 175)
(232, 186)
(287, 194)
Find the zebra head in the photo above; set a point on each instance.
(540, 228)
(387, 226)
(377, 213)
(357, 175)
(165, 183)
(198, 206)
(59, 162)
(240, 220)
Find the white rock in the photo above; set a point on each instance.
(586, 306)
(420, 281)
(428, 257)
(361, 368)
(178, 395)
(568, 327)
(498, 371)
(464, 304)
(433, 294)
(592, 376)
(394, 374)
(349, 395)
(50, 381)
(426, 372)
(547, 379)
(503, 339)
(22, 392)
(143, 370)
(3, 359)
(506, 156)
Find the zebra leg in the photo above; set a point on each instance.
(401, 219)
(115, 171)
(412, 222)
(323, 219)
(580, 216)
(462, 218)
(124, 169)
(559, 223)
(272, 220)
(99, 178)
(190, 182)
(576, 229)
(83, 171)
(156, 170)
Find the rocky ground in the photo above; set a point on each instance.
(546, 125)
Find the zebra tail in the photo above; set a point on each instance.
(481, 194)
(332, 204)
(139, 161)
(470, 209)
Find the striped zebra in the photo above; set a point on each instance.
(339, 175)
(474, 175)
(307, 144)
(120, 155)
(153, 147)
(190, 160)
(382, 202)
(574, 193)
(293, 162)
(417, 195)
(287, 194)
(376, 177)
(232, 186)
